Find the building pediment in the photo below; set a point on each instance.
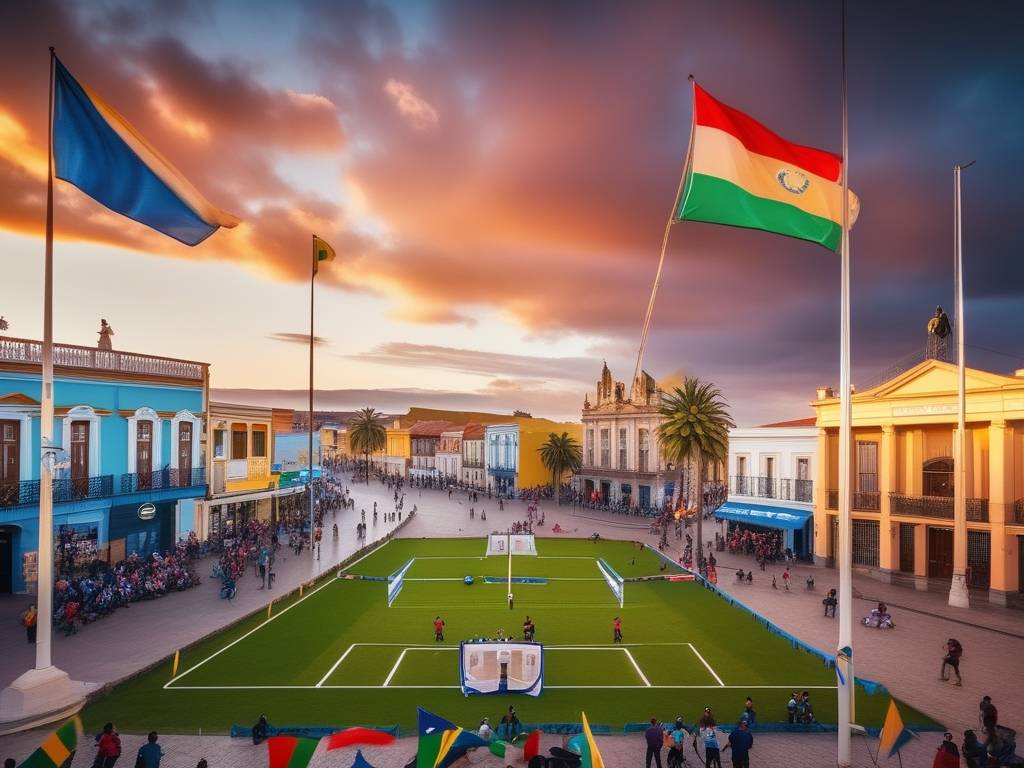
(936, 377)
(16, 398)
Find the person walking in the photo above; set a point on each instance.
(988, 715)
(149, 753)
(28, 620)
(654, 736)
(741, 741)
(954, 651)
(108, 747)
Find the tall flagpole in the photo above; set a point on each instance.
(44, 585)
(959, 597)
(844, 653)
(661, 260)
(312, 278)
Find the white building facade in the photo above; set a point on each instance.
(474, 467)
(771, 480)
(449, 455)
(622, 462)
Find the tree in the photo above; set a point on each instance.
(366, 435)
(560, 454)
(695, 430)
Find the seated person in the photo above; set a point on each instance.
(259, 731)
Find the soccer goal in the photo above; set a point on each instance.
(615, 582)
(501, 667)
(397, 580)
(511, 543)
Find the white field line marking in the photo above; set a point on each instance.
(446, 578)
(335, 666)
(267, 621)
(704, 662)
(448, 687)
(394, 668)
(255, 629)
(577, 646)
(636, 667)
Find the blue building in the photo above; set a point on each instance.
(131, 430)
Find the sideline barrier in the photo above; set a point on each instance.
(870, 687)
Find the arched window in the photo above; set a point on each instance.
(937, 477)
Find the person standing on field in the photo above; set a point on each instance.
(438, 629)
(616, 630)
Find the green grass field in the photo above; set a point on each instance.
(341, 656)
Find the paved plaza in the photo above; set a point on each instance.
(906, 660)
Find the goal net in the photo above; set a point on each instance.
(501, 667)
(516, 543)
(396, 581)
(613, 580)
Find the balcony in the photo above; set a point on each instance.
(940, 507)
(161, 480)
(259, 468)
(862, 501)
(65, 490)
(30, 352)
(1018, 511)
(772, 488)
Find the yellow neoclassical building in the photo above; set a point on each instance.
(902, 509)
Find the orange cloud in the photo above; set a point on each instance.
(420, 114)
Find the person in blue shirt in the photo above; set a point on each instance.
(740, 741)
(679, 735)
(150, 752)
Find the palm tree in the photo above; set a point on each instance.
(366, 435)
(695, 430)
(559, 454)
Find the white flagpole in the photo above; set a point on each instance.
(959, 597)
(44, 585)
(312, 280)
(844, 653)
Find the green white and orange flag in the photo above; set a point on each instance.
(290, 751)
(322, 251)
(741, 174)
(58, 749)
(590, 757)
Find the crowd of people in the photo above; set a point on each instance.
(102, 588)
(765, 546)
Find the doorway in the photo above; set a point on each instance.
(80, 458)
(185, 454)
(10, 462)
(940, 553)
(144, 454)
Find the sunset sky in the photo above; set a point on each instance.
(495, 178)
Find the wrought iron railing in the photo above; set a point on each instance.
(67, 489)
(73, 356)
(1018, 511)
(937, 506)
(862, 501)
(772, 488)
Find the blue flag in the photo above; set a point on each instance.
(103, 155)
(360, 761)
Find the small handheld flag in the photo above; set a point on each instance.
(103, 155)
(360, 761)
(591, 756)
(290, 751)
(353, 736)
(58, 750)
(893, 734)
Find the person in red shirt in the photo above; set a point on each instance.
(438, 630)
(108, 747)
(617, 630)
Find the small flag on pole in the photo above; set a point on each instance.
(741, 174)
(590, 757)
(322, 251)
(103, 155)
(58, 750)
(893, 734)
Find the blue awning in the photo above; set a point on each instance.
(763, 515)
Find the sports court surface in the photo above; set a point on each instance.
(341, 655)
